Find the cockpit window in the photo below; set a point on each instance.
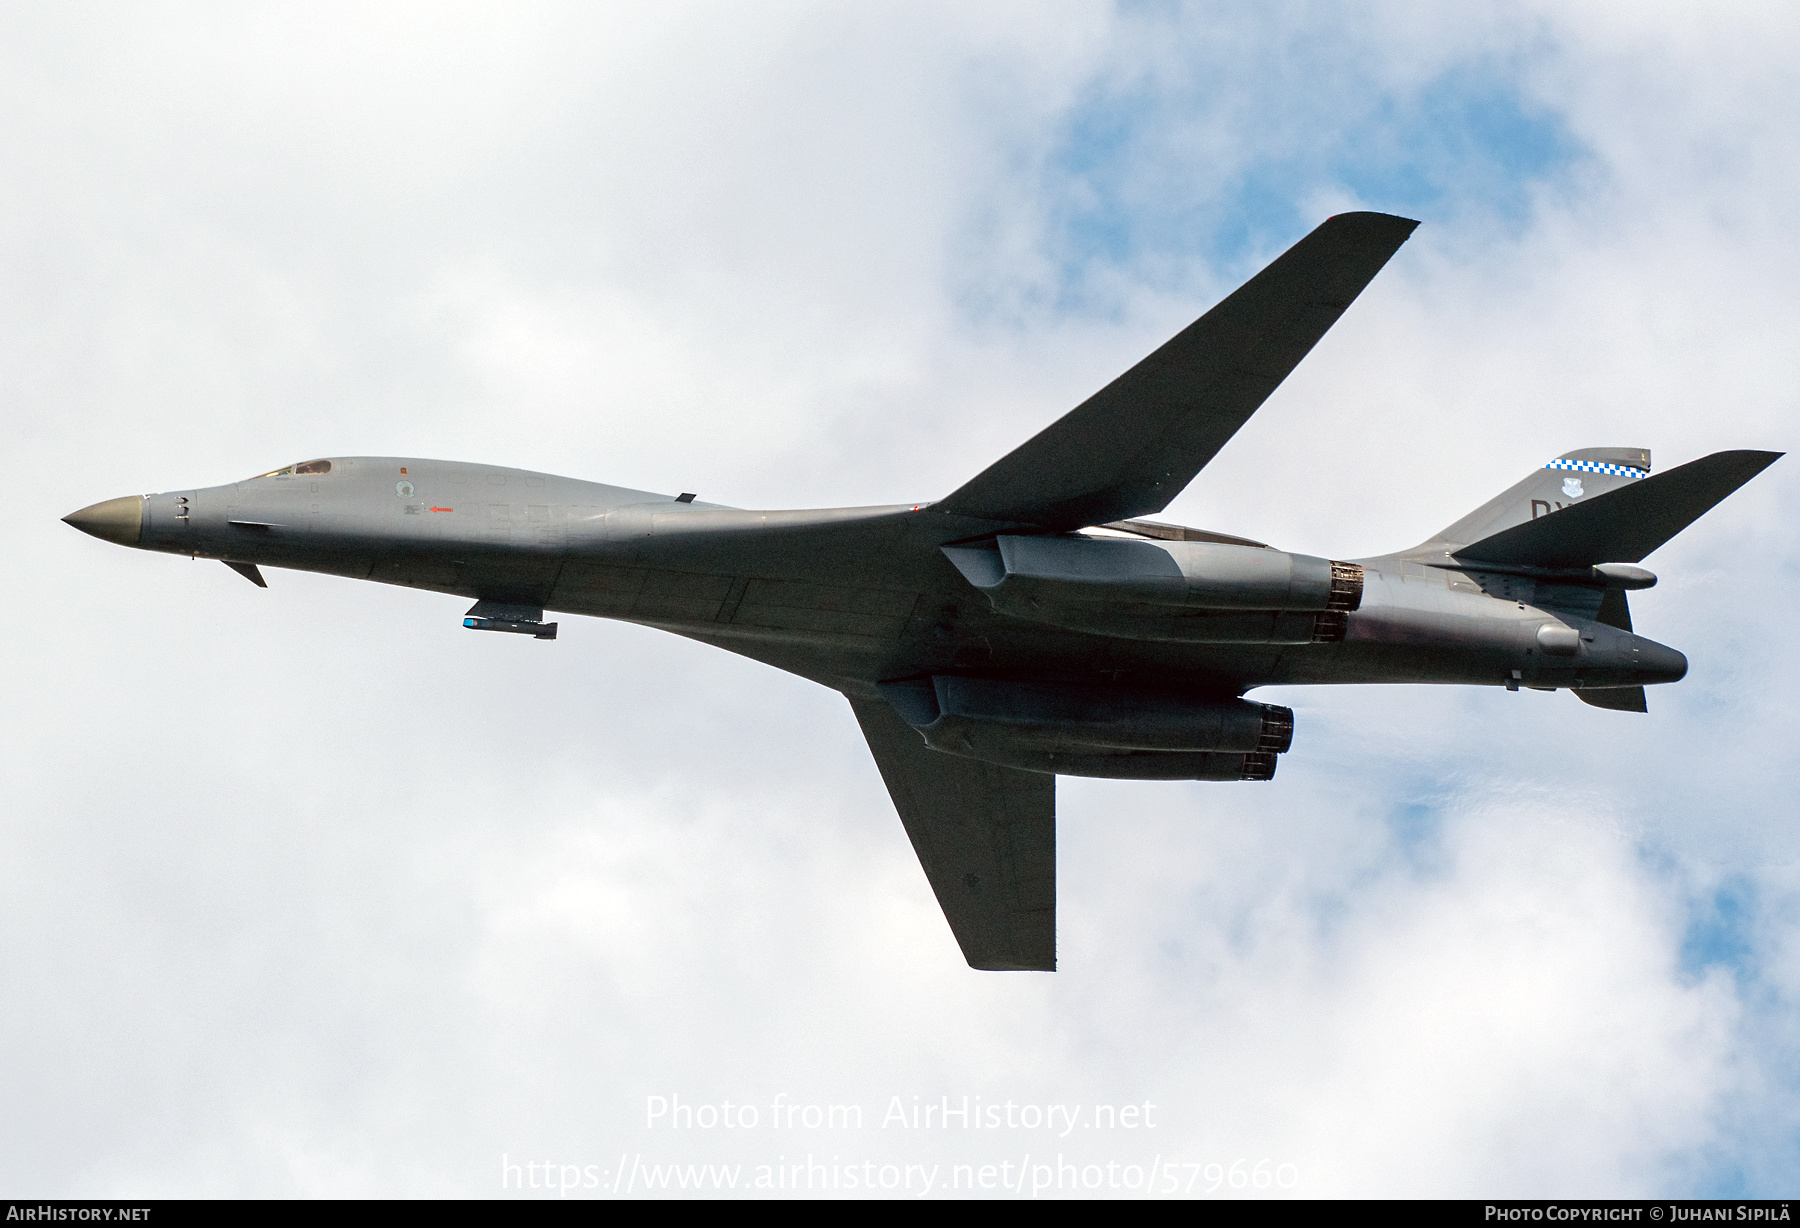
(313, 467)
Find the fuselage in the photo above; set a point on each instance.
(850, 597)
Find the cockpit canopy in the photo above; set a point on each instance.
(314, 467)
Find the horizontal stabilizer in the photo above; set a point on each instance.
(1131, 447)
(1617, 698)
(1623, 525)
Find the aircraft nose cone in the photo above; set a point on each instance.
(116, 520)
(1660, 663)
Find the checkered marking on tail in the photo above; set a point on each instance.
(1618, 471)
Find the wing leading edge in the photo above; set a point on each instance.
(986, 836)
(1131, 447)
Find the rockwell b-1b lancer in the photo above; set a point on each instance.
(1033, 623)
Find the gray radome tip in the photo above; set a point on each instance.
(116, 520)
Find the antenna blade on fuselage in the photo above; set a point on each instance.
(1131, 447)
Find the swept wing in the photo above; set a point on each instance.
(1131, 447)
(986, 836)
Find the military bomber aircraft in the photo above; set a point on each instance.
(1032, 623)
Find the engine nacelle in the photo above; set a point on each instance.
(1094, 731)
(1183, 591)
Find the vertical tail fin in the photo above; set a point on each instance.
(1623, 525)
(1565, 481)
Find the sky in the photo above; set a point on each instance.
(308, 892)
